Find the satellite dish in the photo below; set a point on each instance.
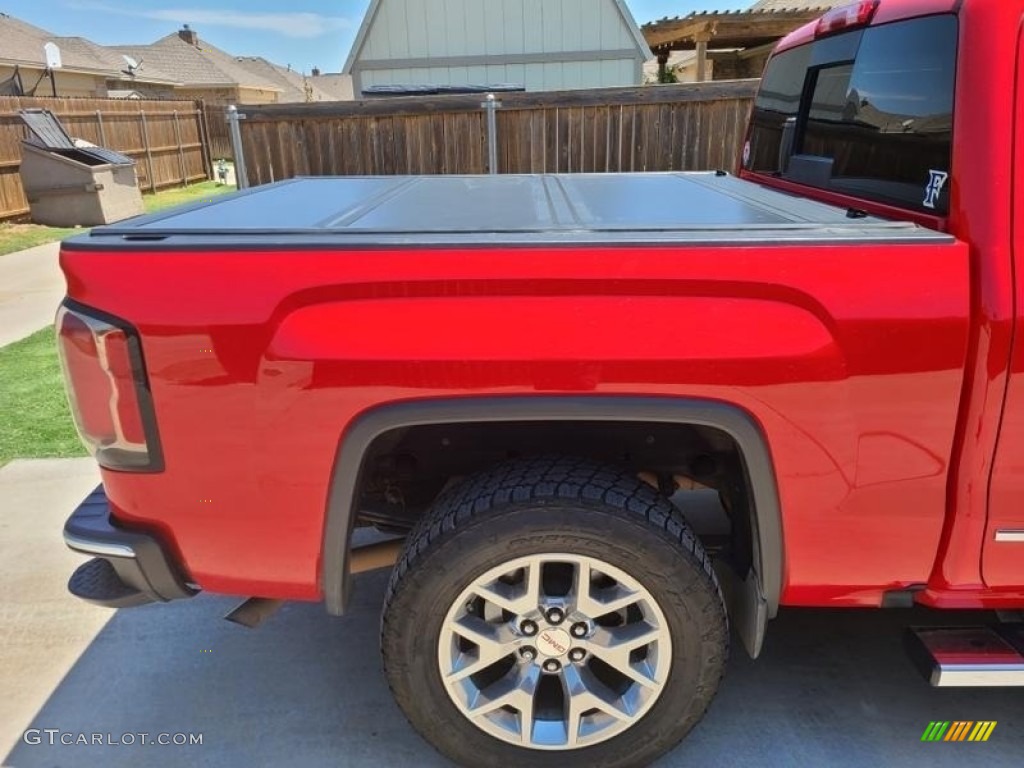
(132, 63)
(52, 52)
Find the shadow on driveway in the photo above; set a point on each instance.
(832, 689)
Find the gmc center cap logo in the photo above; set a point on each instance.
(553, 642)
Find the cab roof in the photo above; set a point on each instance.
(888, 10)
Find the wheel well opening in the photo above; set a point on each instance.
(700, 468)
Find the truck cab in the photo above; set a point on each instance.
(839, 119)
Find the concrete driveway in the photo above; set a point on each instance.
(832, 689)
(31, 288)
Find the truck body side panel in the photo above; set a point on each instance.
(981, 213)
(1003, 554)
(850, 359)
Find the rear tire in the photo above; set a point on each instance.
(491, 561)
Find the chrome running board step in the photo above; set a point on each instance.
(969, 657)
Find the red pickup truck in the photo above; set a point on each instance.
(599, 419)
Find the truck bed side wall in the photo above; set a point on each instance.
(849, 358)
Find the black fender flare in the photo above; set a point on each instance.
(736, 422)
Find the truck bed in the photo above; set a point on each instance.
(357, 212)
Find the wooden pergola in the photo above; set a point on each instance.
(730, 30)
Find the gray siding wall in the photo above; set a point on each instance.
(542, 44)
(550, 76)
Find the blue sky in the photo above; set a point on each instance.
(310, 33)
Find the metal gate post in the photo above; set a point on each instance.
(241, 176)
(492, 106)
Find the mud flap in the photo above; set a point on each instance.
(748, 608)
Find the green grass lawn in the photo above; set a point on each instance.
(196, 193)
(18, 237)
(35, 421)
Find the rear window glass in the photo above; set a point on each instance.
(867, 113)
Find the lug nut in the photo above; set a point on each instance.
(552, 665)
(528, 628)
(579, 630)
(556, 615)
(577, 654)
(528, 653)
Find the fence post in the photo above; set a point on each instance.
(103, 131)
(241, 175)
(204, 138)
(149, 152)
(181, 150)
(492, 105)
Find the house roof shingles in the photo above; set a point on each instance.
(330, 87)
(114, 61)
(171, 61)
(23, 44)
(336, 85)
(796, 5)
(197, 66)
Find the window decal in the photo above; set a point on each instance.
(934, 188)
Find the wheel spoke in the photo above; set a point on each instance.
(519, 598)
(515, 690)
(580, 596)
(638, 672)
(629, 637)
(468, 664)
(525, 704)
(614, 645)
(493, 643)
(493, 637)
(583, 693)
(596, 603)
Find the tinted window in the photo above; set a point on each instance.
(877, 125)
(776, 110)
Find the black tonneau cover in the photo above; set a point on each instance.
(684, 208)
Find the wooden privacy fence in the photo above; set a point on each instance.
(654, 128)
(166, 139)
(217, 132)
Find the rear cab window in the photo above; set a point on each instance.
(866, 113)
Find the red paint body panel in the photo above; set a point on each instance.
(888, 11)
(1001, 563)
(984, 212)
(981, 213)
(854, 381)
(881, 375)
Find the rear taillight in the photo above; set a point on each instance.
(108, 389)
(846, 17)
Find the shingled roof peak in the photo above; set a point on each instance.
(796, 5)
